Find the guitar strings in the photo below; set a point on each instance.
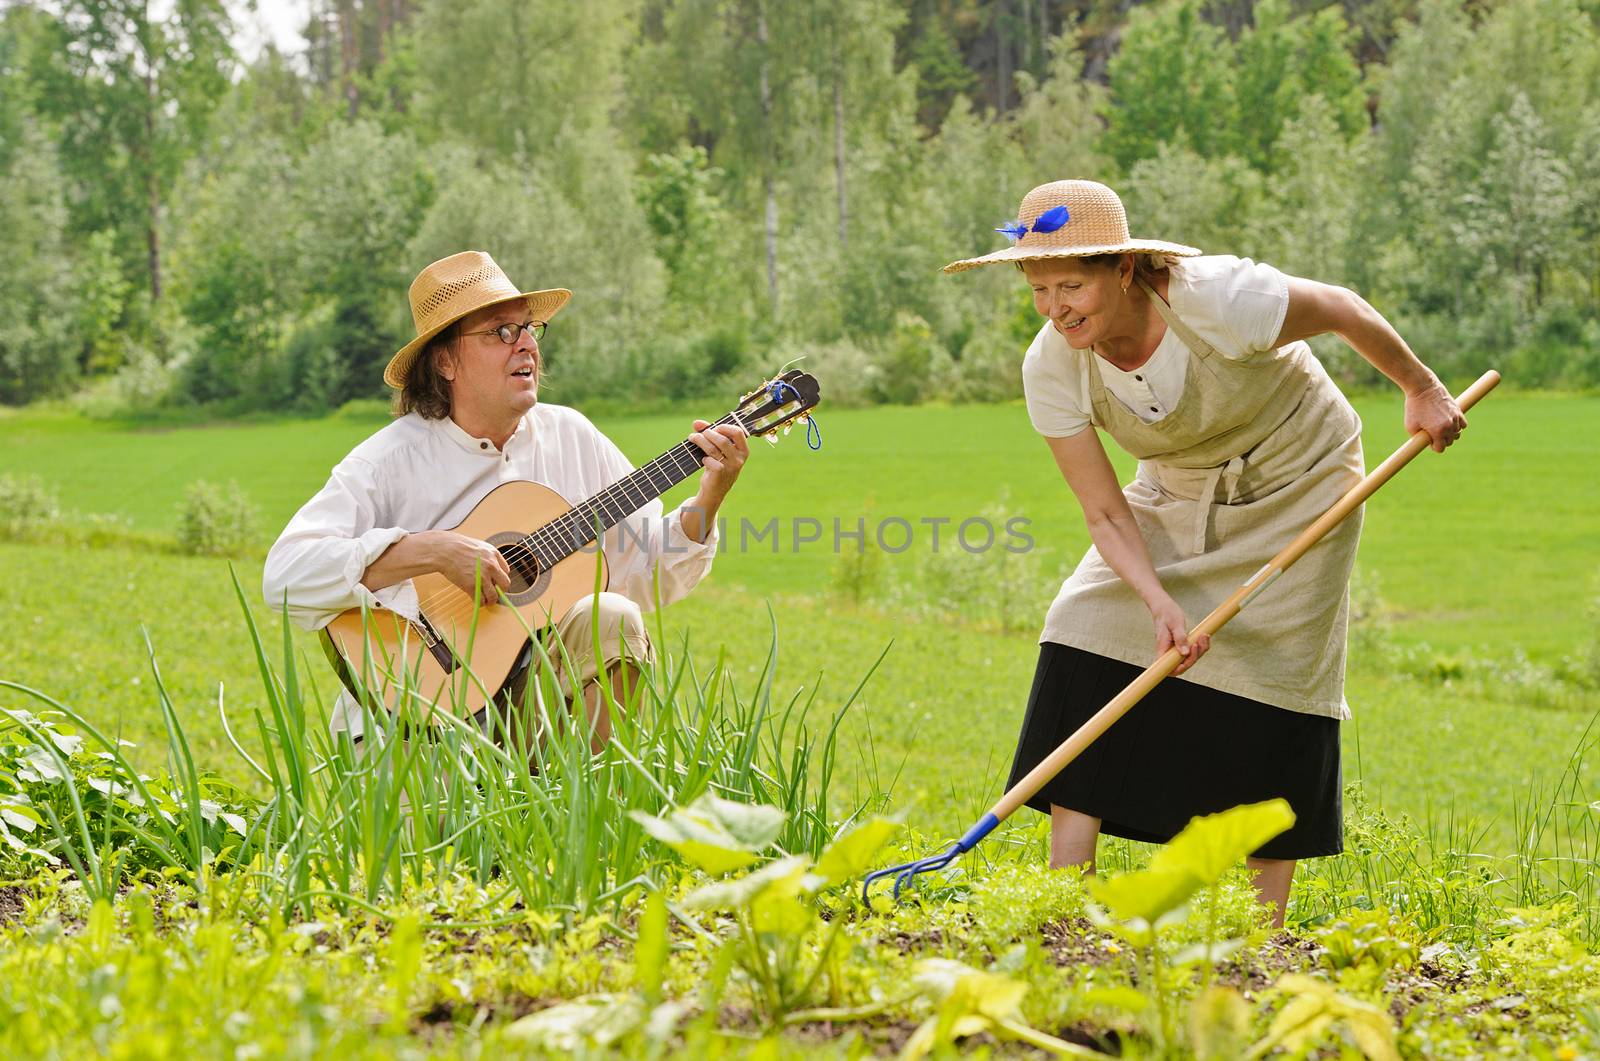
(529, 544)
(447, 602)
(598, 505)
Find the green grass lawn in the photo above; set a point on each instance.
(1481, 551)
(1489, 546)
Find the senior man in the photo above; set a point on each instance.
(468, 419)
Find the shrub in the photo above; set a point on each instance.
(912, 366)
(845, 368)
(27, 507)
(216, 520)
(142, 386)
(857, 574)
(985, 570)
(1369, 631)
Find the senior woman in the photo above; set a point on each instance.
(1197, 366)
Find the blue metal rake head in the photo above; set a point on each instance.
(903, 873)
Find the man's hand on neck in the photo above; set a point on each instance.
(726, 447)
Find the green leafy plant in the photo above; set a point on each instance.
(1138, 906)
(102, 818)
(1371, 938)
(773, 907)
(603, 1020)
(1316, 1010)
(971, 1002)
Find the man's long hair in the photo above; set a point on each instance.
(426, 392)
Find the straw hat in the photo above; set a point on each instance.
(453, 287)
(1070, 219)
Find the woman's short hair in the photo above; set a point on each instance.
(1145, 266)
(426, 392)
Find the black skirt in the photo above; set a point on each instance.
(1182, 751)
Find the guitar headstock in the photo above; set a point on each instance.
(778, 403)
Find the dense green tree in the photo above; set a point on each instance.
(1171, 83)
(1180, 80)
(1188, 198)
(299, 295)
(728, 183)
(1309, 223)
(1486, 189)
(1585, 162)
(1057, 123)
(40, 338)
(1280, 63)
(941, 73)
(132, 91)
(738, 65)
(236, 265)
(362, 194)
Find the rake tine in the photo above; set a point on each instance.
(879, 874)
(927, 865)
(906, 870)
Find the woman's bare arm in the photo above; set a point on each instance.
(1318, 309)
(1088, 472)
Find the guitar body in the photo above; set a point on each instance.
(461, 654)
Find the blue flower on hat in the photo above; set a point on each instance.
(1048, 221)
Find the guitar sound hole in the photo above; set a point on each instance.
(529, 578)
(524, 567)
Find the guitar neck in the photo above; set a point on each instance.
(566, 534)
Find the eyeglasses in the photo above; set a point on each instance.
(509, 333)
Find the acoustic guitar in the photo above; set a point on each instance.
(457, 655)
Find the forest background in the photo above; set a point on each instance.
(728, 184)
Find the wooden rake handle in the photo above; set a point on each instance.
(1070, 748)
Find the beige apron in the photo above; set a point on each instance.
(1256, 449)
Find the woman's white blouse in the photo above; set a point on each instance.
(1235, 304)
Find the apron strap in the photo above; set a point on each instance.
(1190, 338)
(1231, 469)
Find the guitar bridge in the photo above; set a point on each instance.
(434, 643)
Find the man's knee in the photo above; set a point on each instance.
(609, 622)
(617, 618)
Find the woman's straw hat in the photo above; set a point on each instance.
(1070, 219)
(453, 287)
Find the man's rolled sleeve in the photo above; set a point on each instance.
(652, 543)
(685, 560)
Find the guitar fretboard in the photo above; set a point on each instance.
(567, 533)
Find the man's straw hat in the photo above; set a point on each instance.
(1070, 219)
(453, 287)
